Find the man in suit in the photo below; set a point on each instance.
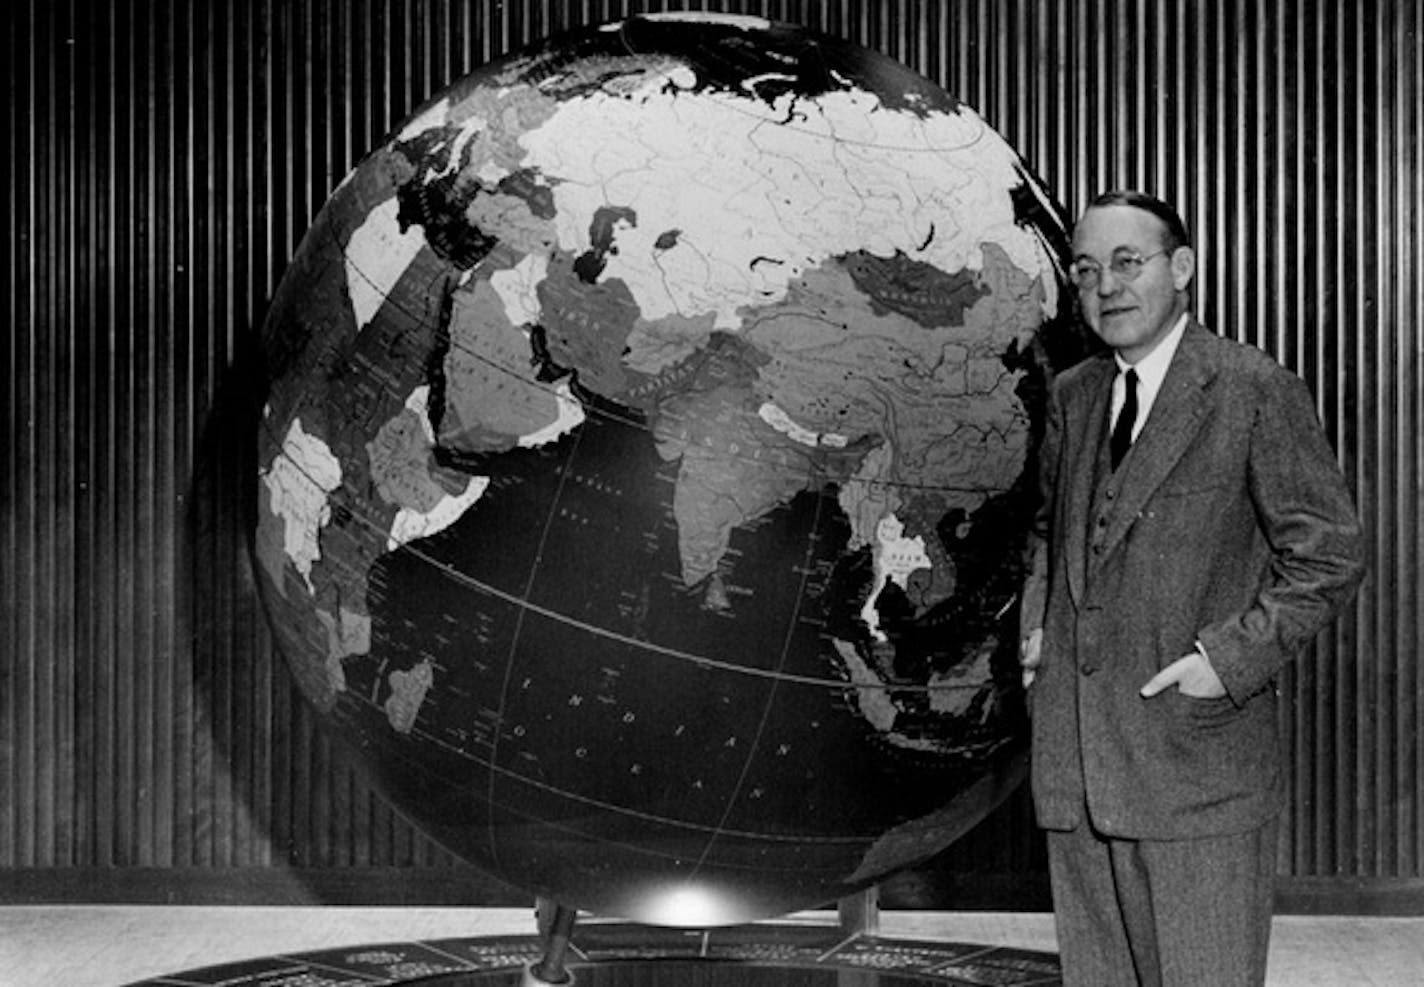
(1195, 532)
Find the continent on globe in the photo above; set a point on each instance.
(647, 462)
(295, 489)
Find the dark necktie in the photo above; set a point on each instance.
(1126, 419)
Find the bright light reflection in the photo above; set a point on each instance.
(690, 905)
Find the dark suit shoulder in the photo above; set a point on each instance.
(1084, 374)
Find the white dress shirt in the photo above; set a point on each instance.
(1151, 370)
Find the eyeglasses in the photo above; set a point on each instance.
(1126, 265)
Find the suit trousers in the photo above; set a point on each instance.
(1163, 913)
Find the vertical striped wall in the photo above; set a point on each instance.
(162, 159)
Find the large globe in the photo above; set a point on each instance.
(646, 463)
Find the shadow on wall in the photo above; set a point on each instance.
(272, 796)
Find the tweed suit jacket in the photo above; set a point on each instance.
(1229, 524)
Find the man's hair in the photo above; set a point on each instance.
(1176, 229)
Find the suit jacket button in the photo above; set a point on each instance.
(1087, 669)
(1110, 493)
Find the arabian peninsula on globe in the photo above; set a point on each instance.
(646, 463)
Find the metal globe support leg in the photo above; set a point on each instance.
(859, 914)
(556, 925)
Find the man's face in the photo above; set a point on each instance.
(1131, 316)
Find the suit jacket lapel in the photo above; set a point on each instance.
(1088, 424)
(1176, 417)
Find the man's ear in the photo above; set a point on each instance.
(1184, 266)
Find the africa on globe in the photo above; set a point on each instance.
(646, 463)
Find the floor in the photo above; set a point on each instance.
(107, 946)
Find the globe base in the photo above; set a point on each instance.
(617, 954)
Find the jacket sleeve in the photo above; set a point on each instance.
(1309, 522)
(1034, 599)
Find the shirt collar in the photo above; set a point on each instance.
(1152, 368)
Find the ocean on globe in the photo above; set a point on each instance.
(646, 464)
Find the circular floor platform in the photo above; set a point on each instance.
(623, 955)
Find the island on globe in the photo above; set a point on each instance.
(647, 461)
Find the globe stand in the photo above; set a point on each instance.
(859, 914)
(556, 928)
(850, 951)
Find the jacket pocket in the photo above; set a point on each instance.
(1206, 714)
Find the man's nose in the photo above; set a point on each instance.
(1108, 283)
